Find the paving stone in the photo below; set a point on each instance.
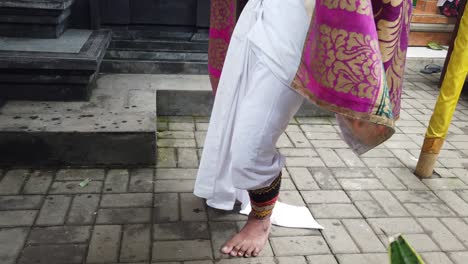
(17, 218)
(416, 197)
(200, 138)
(305, 245)
(401, 144)
(83, 209)
(370, 209)
(166, 207)
(162, 186)
(409, 179)
(39, 182)
(176, 174)
(166, 158)
(176, 134)
(458, 228)
(192, 208)
(335, 144)
(383, 162)
(304, 162)
(452, 163)
(359, 196)
(284, 142)
(19, 202)
(278, 231)
(123, 216)
(459, 257)
(421, 242)
(352, 173)
(201, 126)
(59, 235)
(292, 198)
(299, 140)
(182, 250)
(444, 173)
(303, 178)
(182, 126)
(406, 157)
(13, 181)
(189, 262)
(127, 200)
(116, 181)
(187, 158)
(54, 210)
(393, 226)
(298, 152)
(440, 234)
(454, 202)
(330, 158)
(350, 158)
(224, 216)
(73, 187)
(325, 179)
(337, 238)
(322, 259)
(221, 232)
(287, 184)
(136, 243)
(334, 211)
(176, 143)
(363, 236)
(387, 178)
(436, 258)
(429, 209)
(390, 205)
(141, 180)
(360, 184)
(79, 174)
(378, 153)
(318, 128)
(105, 244)
(462, 174)
(445, 184)
(318, 197)
(53, 254)
(322, 136)
(11, 243)
(181, 231)
(362, 258)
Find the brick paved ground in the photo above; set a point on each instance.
(150, 216)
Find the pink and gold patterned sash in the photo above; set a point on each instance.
(352, 63)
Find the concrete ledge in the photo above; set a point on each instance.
(115, 128)
(180, 95)
(56, 71)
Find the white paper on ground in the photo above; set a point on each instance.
(290, 216)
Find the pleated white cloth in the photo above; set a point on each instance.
(253, 107)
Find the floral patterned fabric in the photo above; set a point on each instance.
(352, 63)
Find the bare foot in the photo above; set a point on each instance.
(250, 240)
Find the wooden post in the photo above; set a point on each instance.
(452, 85)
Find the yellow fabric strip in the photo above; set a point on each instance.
(452, 84)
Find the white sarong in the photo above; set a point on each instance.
(253, 107)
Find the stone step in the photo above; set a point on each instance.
(114, 54)
(43, 69)
(115, 128)
(151, 45)
(34, 19)
(153, 67)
